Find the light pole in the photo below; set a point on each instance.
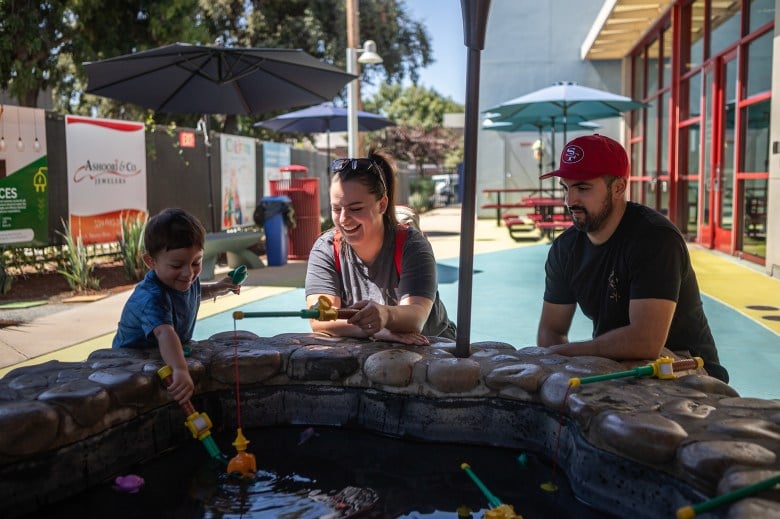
(367, 55)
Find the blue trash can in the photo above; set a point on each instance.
(272, 214)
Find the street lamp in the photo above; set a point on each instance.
(368, 55)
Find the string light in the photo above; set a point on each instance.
(2, 135)
(19, 143)
(37, 143)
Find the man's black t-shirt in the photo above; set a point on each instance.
(645, 258)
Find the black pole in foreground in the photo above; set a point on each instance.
(475, 13)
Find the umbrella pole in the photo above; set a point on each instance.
(207, 142)
(327, 166)
(552, 154)
(475, 14)
(541, 160)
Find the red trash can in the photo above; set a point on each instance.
(304, 192)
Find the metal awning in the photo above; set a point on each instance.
(618, 27)
(622, 23)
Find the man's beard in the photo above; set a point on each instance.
(592, 223)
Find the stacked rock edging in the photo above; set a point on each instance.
(632, 446)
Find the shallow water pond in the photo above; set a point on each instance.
(321, 472)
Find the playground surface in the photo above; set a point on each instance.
(741, 302)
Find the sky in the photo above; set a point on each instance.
(444, 22)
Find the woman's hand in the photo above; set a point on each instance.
(413, 338)
(371, 316)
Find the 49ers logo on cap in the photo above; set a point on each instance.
(572, 154)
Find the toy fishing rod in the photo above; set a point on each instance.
(663, 368)
(199, 424)
(322, 311)
(688, 512)
(498, 509)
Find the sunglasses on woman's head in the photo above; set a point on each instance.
(358, 165)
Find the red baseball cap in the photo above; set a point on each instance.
(591, 156)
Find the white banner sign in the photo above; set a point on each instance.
(106, 176)
(239, 180)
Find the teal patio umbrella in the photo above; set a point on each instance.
(564, 101)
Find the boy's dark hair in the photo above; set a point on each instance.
(172, 228)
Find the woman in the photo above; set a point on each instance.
(356, 264)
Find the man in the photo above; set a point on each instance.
(626, 265)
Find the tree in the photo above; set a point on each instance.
(33, 34)
(43, 44)
(419, 136)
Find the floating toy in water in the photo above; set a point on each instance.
(662, 368)
(307, 435)
(199, 424)
(243, 463)
(498, 509)
(130, 484)
(522, 459)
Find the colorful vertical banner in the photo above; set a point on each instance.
(239, 180)
(106, 176)
(24, 183)
(275, 155)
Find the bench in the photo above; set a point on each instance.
(548, 228)
(519, 228)
(235, 245)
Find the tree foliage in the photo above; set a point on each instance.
(32, 34)
(43, 44)
(419, 136)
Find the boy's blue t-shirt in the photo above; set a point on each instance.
(151, 304)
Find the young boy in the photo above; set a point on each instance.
(163, 307)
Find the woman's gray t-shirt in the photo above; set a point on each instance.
(380, 282)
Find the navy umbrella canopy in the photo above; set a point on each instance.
(205, 79)
(323, 118)
(214, 79)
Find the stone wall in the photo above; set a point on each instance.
(638, 446)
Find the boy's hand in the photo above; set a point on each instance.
(182, 387)
(226, 285)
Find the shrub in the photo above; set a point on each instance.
(131, 244)
(77, 269)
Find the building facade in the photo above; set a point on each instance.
(705, 149)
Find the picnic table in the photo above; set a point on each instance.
(499, 206)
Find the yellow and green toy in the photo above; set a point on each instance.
(199, 424)
(663, 368)
(498, 510)
(322, 311)
(689, 512)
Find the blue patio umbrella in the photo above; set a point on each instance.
(323, 118)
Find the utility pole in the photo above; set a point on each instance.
(353, 42)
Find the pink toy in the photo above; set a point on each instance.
(130, 483)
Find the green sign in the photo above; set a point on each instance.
(24, 206)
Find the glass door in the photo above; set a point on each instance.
(724, 181)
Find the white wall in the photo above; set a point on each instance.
(530, 45)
